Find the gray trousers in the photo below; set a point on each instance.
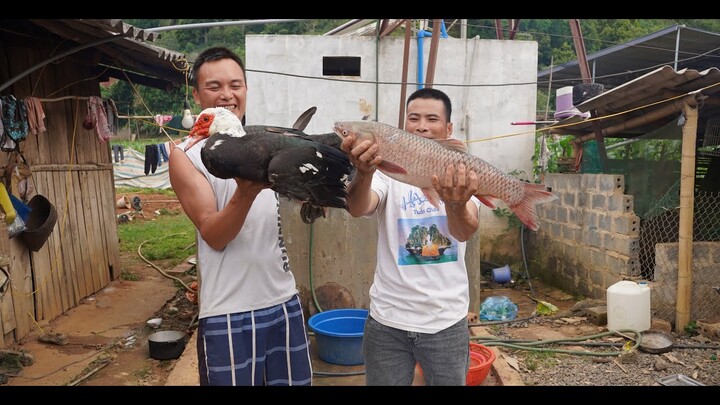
(391, 354)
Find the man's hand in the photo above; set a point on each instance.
(362, 156)
(249, 188)
(456, 187)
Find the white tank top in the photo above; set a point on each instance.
(253, 270)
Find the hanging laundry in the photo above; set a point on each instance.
(35, 115)
(97, 118)
(159, 155)
(118, 153)
(112, 115)
(15, 119)
(163, 151)
(2, 128)
(151, 158)
(161, 120)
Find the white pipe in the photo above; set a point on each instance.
(217, 24)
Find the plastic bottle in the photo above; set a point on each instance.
(498, 308)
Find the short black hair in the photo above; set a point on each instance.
(429, 92)
(211, 55)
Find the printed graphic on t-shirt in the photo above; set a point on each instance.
(425, 241)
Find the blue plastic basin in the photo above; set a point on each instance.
(338, 335)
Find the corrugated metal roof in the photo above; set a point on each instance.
(132, 52)
(647, 103)
(692, 48)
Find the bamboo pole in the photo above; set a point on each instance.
(685, 241)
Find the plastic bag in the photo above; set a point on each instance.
(498, 308)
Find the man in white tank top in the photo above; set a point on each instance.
(251, 328)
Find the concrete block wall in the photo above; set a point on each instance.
(588, 238)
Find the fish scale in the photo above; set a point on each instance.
(413, 159)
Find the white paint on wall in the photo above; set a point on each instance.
(490, 82)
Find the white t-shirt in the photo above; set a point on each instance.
(421, 281)
(253, 270)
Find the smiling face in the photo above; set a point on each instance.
(426, 117)
(221, 83)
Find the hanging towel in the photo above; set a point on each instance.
(35, 115)
(98, 118)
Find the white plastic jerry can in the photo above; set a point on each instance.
(628, 306)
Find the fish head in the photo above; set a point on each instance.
(361, 130)
(212, 121)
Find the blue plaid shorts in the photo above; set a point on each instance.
(262, 347)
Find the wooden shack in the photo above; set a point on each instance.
(60, 64)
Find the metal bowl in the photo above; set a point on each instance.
(656, 341)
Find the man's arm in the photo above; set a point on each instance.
(462, 213)
(361, 199)
(196, 196)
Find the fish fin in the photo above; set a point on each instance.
(525, 209)
(453, 144)
(391, 167)
(304, 119)
(432, 196)
(487, 200)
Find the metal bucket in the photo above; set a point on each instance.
(40, 224)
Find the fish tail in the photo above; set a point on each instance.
(525, 209)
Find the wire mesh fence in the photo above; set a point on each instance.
(659, 255)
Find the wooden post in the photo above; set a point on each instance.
(434, 42)
(403, 88)
(685, 237)
(580, 51)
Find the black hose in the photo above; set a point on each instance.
(329, 374)
(486, 323)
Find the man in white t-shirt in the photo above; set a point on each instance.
(419, 298)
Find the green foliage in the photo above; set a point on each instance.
(692, 329)
(138, 190)
(651, 149)
(557, 147)
(166, 238)
(554, 38)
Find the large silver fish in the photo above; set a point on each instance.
(413, 159)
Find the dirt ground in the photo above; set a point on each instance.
(104, 340)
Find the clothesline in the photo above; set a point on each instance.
(50, 100)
